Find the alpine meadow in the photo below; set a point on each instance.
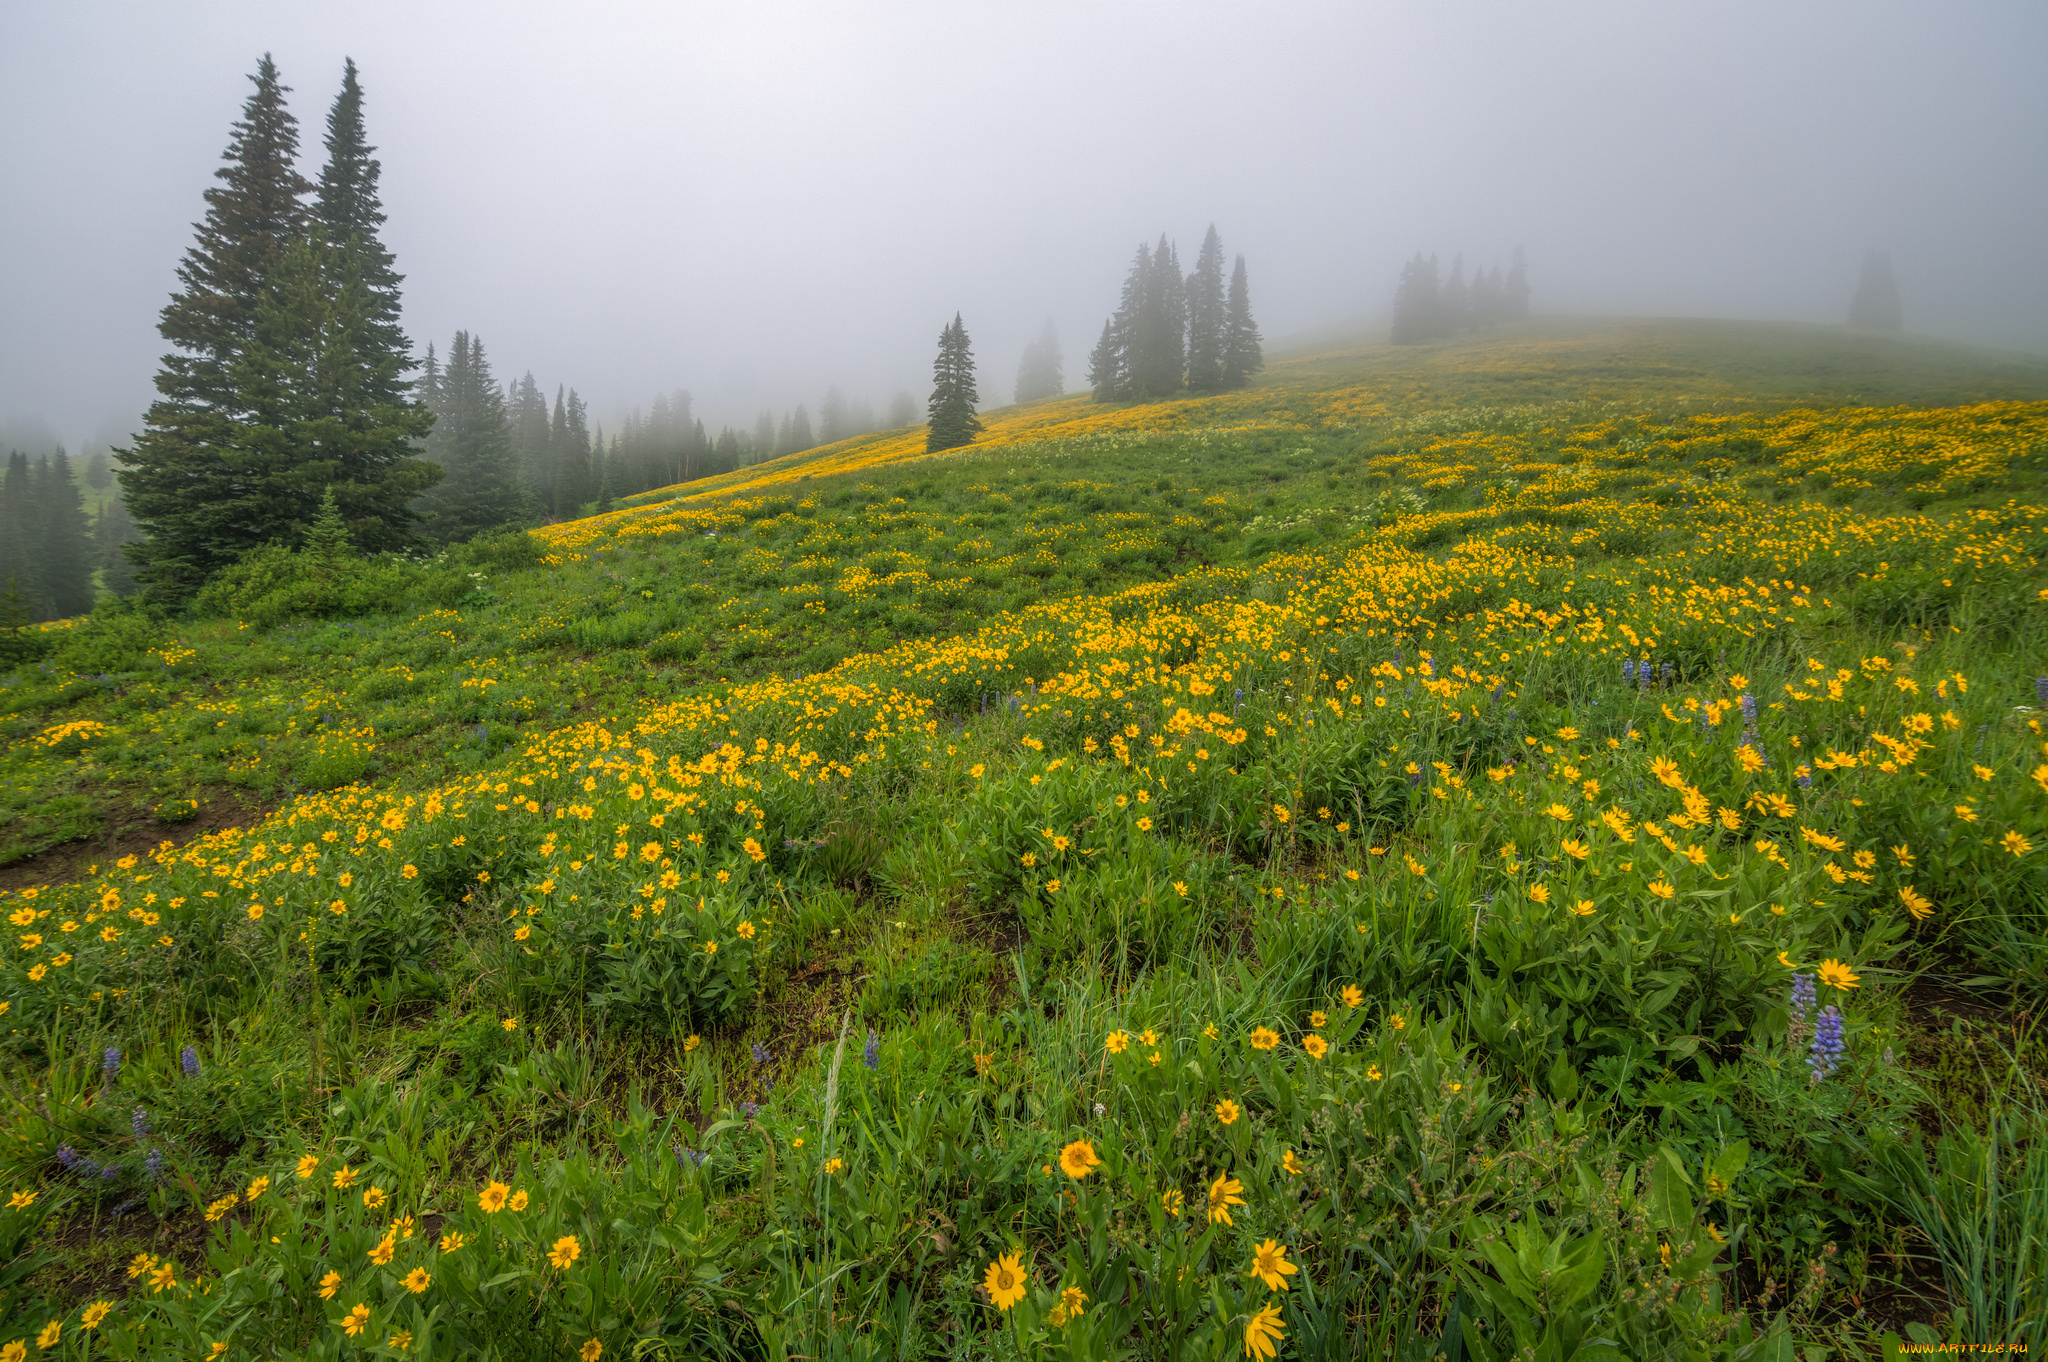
(1484, 832)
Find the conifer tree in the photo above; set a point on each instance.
(1158, 335)
(532, 439)
(902, 410)
(21, 559)
(111, 530)
(349, 214)
(66, 548)
(1243, 354)
(1107, 378)
(1208, 322)
(472, 442)
(179, 480)
(1039, 373)
(1876, 306)
(800, 431)
(764, 435)
(1418, 316)
(327, 545)
(950, 418)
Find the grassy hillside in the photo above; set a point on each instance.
(1543, 833)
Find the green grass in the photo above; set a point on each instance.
(1043, 759)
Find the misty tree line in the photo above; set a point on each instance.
(1428, 307)
(49, 547)
(1173, 333)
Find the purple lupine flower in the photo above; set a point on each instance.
(188, 1060)
(871, 1055)
(1804, 995)
(154, 1164)
(140, 1122)
(1628, 669)
(1494, 698)
(109, 1173)
(110, 1063)
(1669, 672)
(1828, 1046)
(750, 1109)
(761, 1055)
(1748, 708)
(67, 1157)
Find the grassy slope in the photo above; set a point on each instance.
(1142, 555)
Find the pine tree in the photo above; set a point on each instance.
(1515, 292)
(349, 214)
(1208, 323)
(1243, 354)
(950, 418)
(1158, 351)
(21, 559)
(1107, 378)
(66, 547)
(472, 442)
(1039, 373)
(179, 481)
(1418, 317)
(532, 439)
(328, 550)
(111, 530)
(1876, 306)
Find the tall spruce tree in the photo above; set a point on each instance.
(1243, 354)
(1158, 359)
(950, 419)
(66, 544)
(472, 442)
(1108, 380)
(532, 439)
(1418, 313)
(112, 530)
(179, 480)
(1208, 320)
(349, 214)
(21, 555)
(1039, 373)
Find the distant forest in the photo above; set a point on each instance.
(1172, 333)
(1428, 307)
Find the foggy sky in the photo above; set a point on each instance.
(755, 200)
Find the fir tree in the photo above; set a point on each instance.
(727, 453)
(1208, 322)
(1243, 354)
(532, 439)
(472, 442)
(1158, 335)
(1418, 316)
(179, 481)
(1107, 379)
(1876, 306)
(349, 214)
(328, 550)
(112, 529)
(950, 418)
(1039, 373)
(21, 558)
(66, 546)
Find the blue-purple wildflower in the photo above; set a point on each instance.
(1828, 1045)
(140, 1122)
(871, 1054)
(110, 1064)
(188, 1060)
